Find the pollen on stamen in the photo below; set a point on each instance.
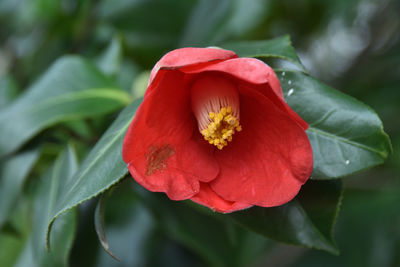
(215, 103)
(222, 127)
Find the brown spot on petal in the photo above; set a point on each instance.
(157, 158)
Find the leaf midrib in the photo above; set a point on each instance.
(86, 94)
(93, 162)
(347, 141)
(67, 207)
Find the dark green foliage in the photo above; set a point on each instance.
(72, 74)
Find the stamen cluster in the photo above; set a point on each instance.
(215, 104)
(221, 128)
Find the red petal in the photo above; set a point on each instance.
(254, 71)
(279, 102)
(207, 197)
(266, 163)
(162, 146)
(190, 56)
(250, 70)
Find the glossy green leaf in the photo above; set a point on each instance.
(280, 47)
(346, 135)
(13, 173)
(302, 221)
(321, 200)
(35, 252)
(102, 168)
(71, 89)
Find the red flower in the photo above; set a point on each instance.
(215, 128)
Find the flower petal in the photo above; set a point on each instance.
(250, 70)
(207, 197)
(256, 72)
(279, 102)
(266, 163)
(160, 143)
(190, 56)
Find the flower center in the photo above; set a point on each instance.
(215, 104)
(221, 128)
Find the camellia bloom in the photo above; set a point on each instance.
(215, 128)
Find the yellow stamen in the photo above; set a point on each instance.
(222, 127)
(215, 104)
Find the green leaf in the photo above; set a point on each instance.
(35, 252)
(102, 168)
(130, 228)
(369, 222)
(10, 248)
(127, 74)
(19, 220)
(346, 135)
(99, 226)
(71, 89)
(8, 90)
(304, 221)
(225, 19)
(280, 47)
(110, 61)
(217, 240)
(321, 200)
(135, 235)
(139, 85)
(147, 35)
(13, 173)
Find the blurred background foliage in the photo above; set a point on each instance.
(351, 45)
